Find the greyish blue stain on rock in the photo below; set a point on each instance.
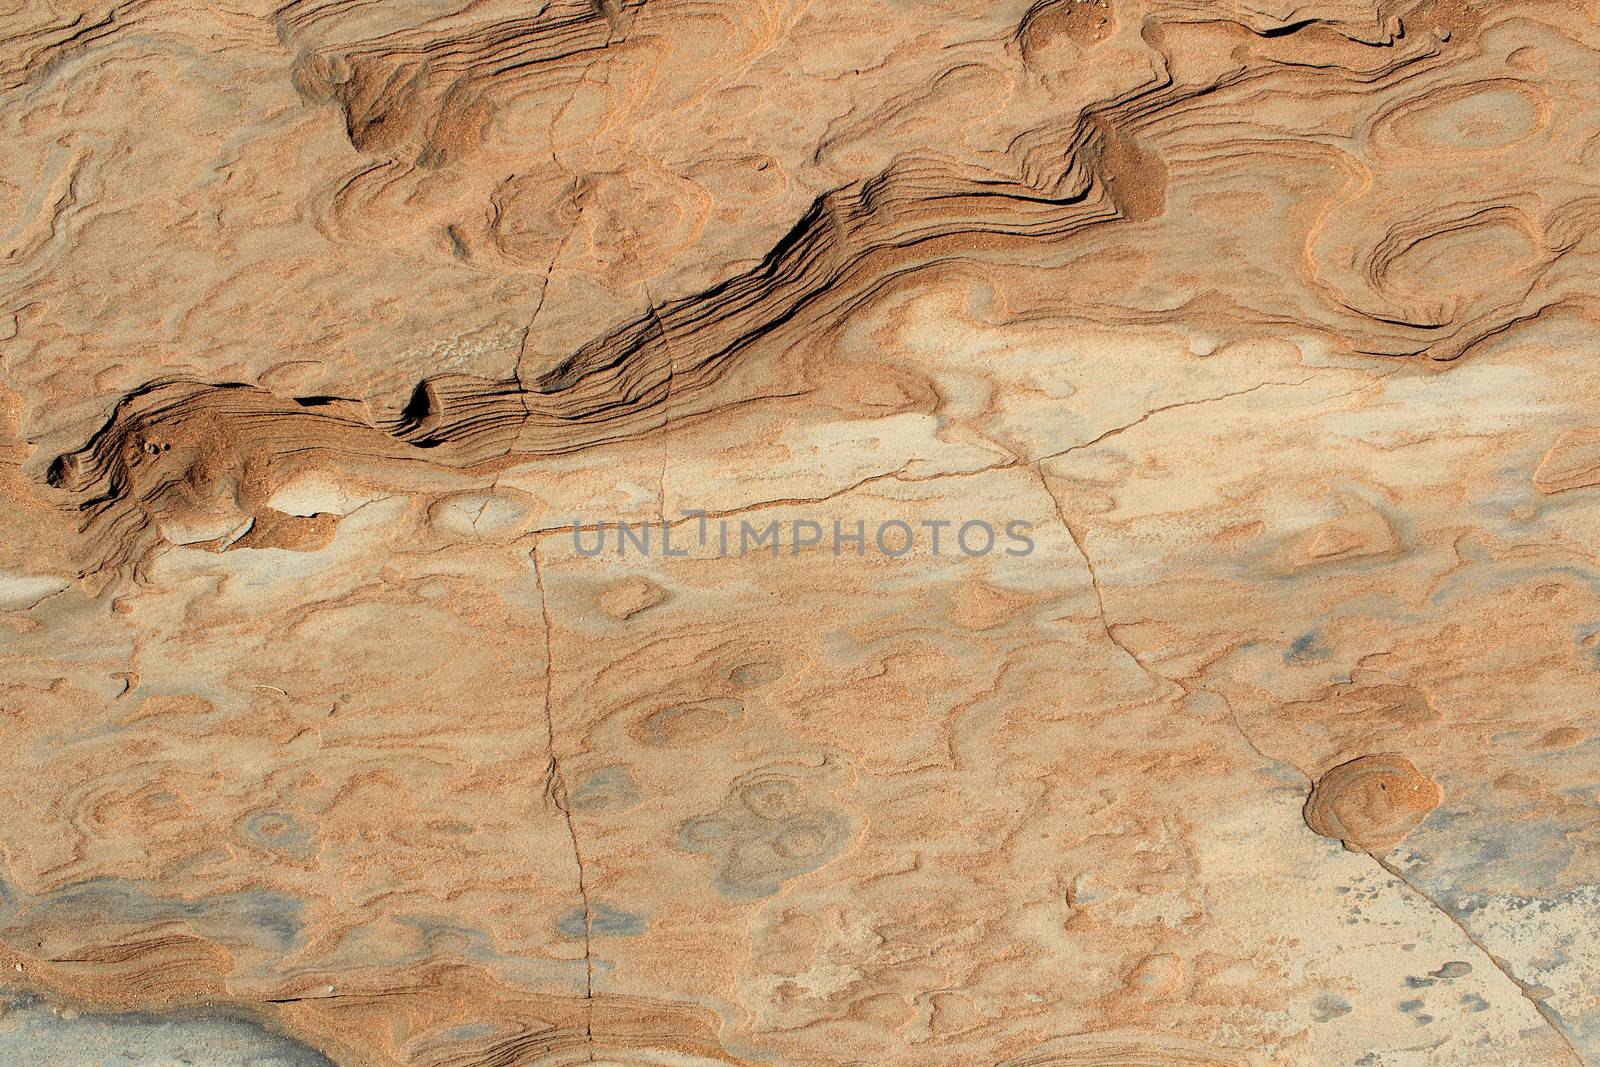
(31, 1033)
(1483, 840)
(429, 937)
(1305, 647)
(764, 834)
(1503, 578)
(279, 832)
(608, 789)
(603, 921)
(1329, 1006)
(469, 1032)
(256, 916)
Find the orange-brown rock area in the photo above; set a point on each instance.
(1111, 575)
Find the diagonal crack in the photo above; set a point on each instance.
(1153, 412)
(1250, 742)
(1499, 964)
(556, 794)
(523, 388)
(1077, 539)
(1094, 581)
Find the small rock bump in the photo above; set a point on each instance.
(629, 597)
(1371, 803)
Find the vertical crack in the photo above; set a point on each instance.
(556, 794)
(666, 404)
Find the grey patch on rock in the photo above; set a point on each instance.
(1328, 1007)
(766, 832)
(32, 1032)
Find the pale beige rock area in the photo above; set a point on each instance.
(334, 336)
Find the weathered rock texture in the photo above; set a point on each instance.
(1271, 323)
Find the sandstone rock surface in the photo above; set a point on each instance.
(1112, 488)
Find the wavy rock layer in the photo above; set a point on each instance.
(344, 726)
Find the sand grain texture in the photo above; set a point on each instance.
(327, 740)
